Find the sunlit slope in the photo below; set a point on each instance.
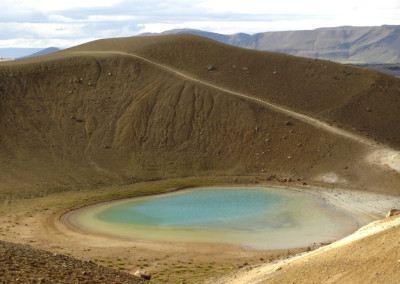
(359, 100)
(82, 117)
(371, 259)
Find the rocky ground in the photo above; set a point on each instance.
(23, 264)
(370, 255)
(115, 113)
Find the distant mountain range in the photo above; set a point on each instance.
(345, 44)
(42, 52)
(18, 53)
(391, 69)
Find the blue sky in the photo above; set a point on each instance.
(44, 23)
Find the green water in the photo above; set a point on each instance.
(250, 216)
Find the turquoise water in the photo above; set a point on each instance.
(208, 208)
(255, 217)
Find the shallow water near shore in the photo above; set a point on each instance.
(253, 217)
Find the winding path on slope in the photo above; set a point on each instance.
(381, 154)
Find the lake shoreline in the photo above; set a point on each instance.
(331, 217)
(353, 203)
(39, 226)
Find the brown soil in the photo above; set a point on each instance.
(348, 96)
(77, 121)
(373, 259)
(21, 263)
(370, 255)
(70, 119)
(35, 221)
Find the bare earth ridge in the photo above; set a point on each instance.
(382, 155)
(131, 116)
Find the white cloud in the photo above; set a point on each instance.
(58, 5)
(110, 18)
(92, 18)
(44, 30)
(67, 22)
(30, 43)
(304, 7)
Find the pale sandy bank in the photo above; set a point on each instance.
(367, 208)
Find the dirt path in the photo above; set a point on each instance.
(380, 154)
(304, 118)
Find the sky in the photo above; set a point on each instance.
(45, 23)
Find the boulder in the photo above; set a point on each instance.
(393, 212)
(141, 273)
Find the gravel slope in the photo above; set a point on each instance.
(23, 264)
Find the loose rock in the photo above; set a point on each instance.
(393, 212)
(141, 273)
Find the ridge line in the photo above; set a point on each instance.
(299, 116)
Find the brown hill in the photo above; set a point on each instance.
(99, 114)
(123, 110)
(314, 87)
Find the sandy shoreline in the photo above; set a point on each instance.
(42, 228)
(83, 220)
(362, 207)
(366, 207)
(262, 273)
